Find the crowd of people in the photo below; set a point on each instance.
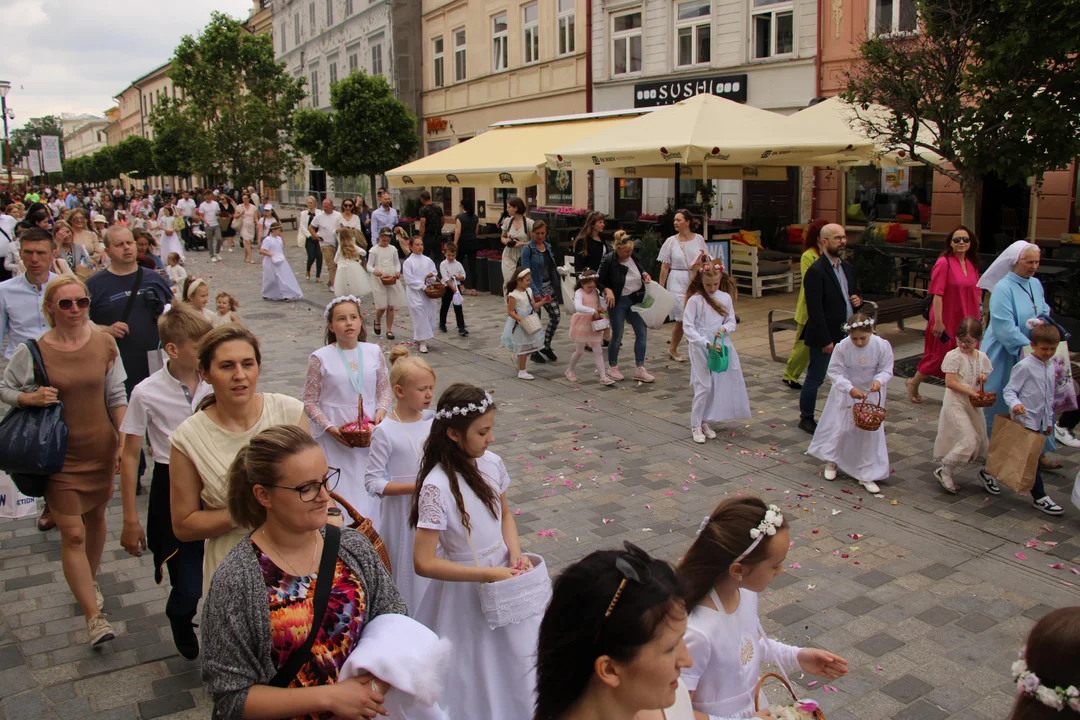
(304, 617)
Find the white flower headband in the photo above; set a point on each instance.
(1028, 683)
(448, 413)
(337, 301)
(867, 323)
(766, 528)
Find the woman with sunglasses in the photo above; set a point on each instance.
(86, 236)
(956, 295)
(205, 445)
(611, 643)
(86, 375)
(261, 606)
(349, 218)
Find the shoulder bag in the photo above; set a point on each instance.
(323, 584)
(33, 440)
(530, 324)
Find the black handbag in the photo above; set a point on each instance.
(33, 440)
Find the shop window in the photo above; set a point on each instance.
(531, 30)
(903, 194)
(773, 28)
(565, 24)
(443, 196)
(437, 61)
(504, 194)
(500, 37)
(893, 16)
(459, 55)
(693, 33)
(626, 43)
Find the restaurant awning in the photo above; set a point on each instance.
(696, 172)
(507, 155)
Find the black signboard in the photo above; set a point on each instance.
(669, 92)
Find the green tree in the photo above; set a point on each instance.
(176, 140)
(103, 165)
(369, 132)
(237, 106)
(75, 169)
(988, 85)
(134, 157)
(28, 137)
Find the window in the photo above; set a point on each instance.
(354, 62)
(348, 8)
(499, 42)
(693, 32)
(376, 54)
(282, 37)
(893, 16)
(626, 43)
(459, 55)
(311, 17)
(903, 194)
(773, 28)
(296, 29)
(437, 61)
(329, 12)
(333, 73)
(565, 24)
(531, 31)
(314, 88)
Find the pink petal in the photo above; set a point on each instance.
(878, 667)
(1056, 566)
(1031, 544)
(1074, 571)
(648, 507)
(685, 488)
(1051, 544)
(795, 566)
(1021, 556)
(811, 684)
(517, 512)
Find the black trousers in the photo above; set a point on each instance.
(433, 248)
(184, 560)
(447, 303)
(314, 256)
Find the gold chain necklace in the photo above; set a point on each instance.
(314, 551)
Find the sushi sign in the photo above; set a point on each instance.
(657, 94)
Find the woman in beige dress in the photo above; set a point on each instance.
(205, 444)
(249, 213)
(86, 236)
(86, 375)
(516, 232)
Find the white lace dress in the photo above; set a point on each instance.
(680, 256)
(493, 674)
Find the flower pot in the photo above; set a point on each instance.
(479, 274)
(495, 276)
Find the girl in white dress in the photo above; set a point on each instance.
(611, 643)
(196, 293)
(278, 280)
(739, 550)
(264, 225)
(521, 304)
(420, 271)
(709, 320)
(383, 261)
(861, 365)
(175, 272)
(352, 276)
(460, 505)
(226, 306)
(338, 373)
(587, 307)
(170, 236)
(961, 435)
(679, 255)
(397, 446)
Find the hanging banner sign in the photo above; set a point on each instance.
(35, 162)
(50, 154)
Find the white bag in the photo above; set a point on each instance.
(656, 306)
(457, 299)
(568, 280)
(601, 324)
(277, 259)
(518, 598)
(13, 504)
(530, 324)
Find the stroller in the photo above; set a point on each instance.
(194, 236)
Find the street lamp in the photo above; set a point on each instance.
(4, 87)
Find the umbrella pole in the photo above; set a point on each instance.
(677, 186)
(705, 208)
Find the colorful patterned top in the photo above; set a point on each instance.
(291, 610)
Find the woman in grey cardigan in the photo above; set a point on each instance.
(260, 606)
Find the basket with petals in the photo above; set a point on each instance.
(435, 290)
(799, 710)
(983, 399)
(868, 415)
(365, 526)
(388, 279)
(358, 433)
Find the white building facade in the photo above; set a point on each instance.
(83, 134)
(647, 53)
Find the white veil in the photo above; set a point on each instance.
(1004, 264)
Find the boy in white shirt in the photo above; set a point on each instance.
(158, 405)
(452, 274)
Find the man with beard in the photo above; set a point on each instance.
(830, 301)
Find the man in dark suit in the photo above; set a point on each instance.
(830, 301)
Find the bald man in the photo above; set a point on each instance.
(829, 285)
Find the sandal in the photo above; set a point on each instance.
(1049, 463)
(945, 480)
(378, 329)
(677, 358)
(913, 396)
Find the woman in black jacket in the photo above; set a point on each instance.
(624, 283)
(589, 249)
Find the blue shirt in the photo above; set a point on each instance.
(1032, 385)
(21, 317)
(841, 277)
(72, 202)
(382, 218)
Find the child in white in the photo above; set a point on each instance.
(352, 277)
(419, 272)
(861, 365)
(226, 305)
(278, 280)
(460, 507)
(961, 435)
(175, 272)
(452, 274)
(708, 321)
(383, 262)
(338, 373)
(723, 633)
(170, 236)
(397, 447)
(588, 307)
(520, 304)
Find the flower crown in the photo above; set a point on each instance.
(766, 528)
(714, 266)
(867, 323)
(337, 301)
(448, 413)
(1028, 683)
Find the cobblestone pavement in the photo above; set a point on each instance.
(928, 595)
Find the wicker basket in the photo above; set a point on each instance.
(354, 433)
(435, 290)
(868, 416)
(388, 280)
(983, 399)
(818, 714)
(364, 525)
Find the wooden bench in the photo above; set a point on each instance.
(758, 275)
(288, 221)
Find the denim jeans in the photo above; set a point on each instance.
(1038, 492)
(815, 376)
(620, 315)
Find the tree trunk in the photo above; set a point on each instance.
(970, 190)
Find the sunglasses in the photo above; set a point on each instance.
(632, 565)
(67, 303)
(962, 240)
(310, 491)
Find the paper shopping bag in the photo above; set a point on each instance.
(1014, 454)
(13, 504)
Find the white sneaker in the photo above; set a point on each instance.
(423, 347)
(1065, 437)
(699, 437)
(99, 630)
(830, 471)
(230, 249)
(871, 486)
(709, 432)
(99, 597)
(525, 375)
(1048, 506)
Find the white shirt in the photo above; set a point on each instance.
(186, 206)
(209, 212)
(633, 277)
(21, 317)
(352, 222)
(451, 271)
(326, 225)
(157, 407)
(7, 224)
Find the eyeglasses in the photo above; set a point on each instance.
(632, 565)
(967, 342)
(838, 237)
(309, 491)
(67, 303)
(963, 240)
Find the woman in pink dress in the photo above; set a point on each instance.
(953, 285)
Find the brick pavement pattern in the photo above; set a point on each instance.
(921, 591)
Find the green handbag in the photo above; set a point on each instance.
(718, 359)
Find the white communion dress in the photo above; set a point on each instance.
(352, 277)
(278, 280)
(387, 262)
(718, 397)
(423, 310)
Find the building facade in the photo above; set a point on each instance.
(323, 41)
(487, 62)
(83, 134)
